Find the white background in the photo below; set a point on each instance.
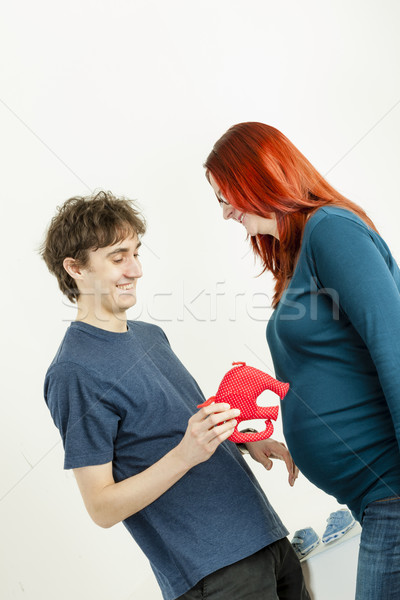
(130, 96)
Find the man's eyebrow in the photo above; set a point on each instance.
(122, 249)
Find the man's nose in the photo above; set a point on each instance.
(134, 268)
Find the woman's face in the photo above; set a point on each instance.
(254, 224)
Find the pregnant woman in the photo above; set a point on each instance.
(334, 334)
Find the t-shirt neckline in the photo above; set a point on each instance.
(103, 333)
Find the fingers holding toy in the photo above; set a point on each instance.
(206, 430)
(266, 450)
(217, 413)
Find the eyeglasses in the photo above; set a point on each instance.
(222, 202)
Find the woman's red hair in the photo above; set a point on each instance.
(259, 171)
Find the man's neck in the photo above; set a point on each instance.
(114, 323)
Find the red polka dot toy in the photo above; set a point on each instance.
(240, 388)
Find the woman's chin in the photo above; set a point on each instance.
(250, 231)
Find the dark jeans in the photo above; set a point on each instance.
(378, 576)
(273, 573)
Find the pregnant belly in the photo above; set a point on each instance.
(341, 447)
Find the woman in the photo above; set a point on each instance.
(334, 334)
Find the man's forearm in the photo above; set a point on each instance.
(109, 503)
(119, 501)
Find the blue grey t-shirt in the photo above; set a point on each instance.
(126, 398)
(335, 337)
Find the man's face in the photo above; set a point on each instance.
(108, 284)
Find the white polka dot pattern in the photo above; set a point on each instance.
(240, 388)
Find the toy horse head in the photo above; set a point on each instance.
(240, 388)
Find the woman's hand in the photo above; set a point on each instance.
(206, 430)
(265, 450)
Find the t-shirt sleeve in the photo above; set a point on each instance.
(163, 334)
(87, 421)
(355, 272)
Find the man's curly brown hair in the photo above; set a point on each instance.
(87, 223)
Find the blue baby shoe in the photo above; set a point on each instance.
(339, 523)
(304, 540)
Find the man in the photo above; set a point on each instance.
(140, 450)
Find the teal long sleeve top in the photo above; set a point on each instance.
(335, 337)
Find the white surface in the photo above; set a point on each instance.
(130, 96)
(331, 571)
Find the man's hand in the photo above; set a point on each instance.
(206, 430)
(109, 503)
(265, 450)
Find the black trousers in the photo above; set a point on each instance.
(273, 573)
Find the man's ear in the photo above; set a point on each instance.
(73, 268)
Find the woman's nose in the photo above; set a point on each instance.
(227, 211)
